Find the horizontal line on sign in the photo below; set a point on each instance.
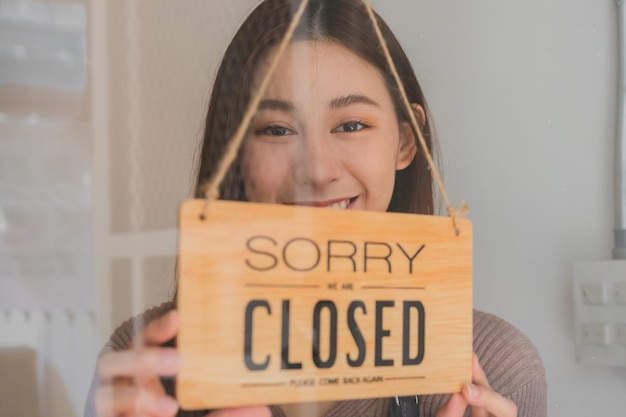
(395, 378)
(261, 385)
(385, 287)
(281, 286)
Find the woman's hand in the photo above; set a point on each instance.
(129, 380)
(483, 400)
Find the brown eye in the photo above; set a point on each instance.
(275, 130)
(348, 127)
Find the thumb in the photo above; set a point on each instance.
(455, 407)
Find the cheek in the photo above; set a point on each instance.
(378, 169)
(264, 170)
(380, 157)
(380, 174)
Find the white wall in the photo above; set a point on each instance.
(523, 95)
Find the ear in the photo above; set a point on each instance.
(408, 142)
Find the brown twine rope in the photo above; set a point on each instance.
(453, 213)
(211, 189)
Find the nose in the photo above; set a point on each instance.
(318, 162)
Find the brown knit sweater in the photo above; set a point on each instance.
(511, 363)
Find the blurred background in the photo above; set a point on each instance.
(101, 108)
(47, 276)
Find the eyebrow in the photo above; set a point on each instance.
(351, 99)
(336, 103)
(275, 104)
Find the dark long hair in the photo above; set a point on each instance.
(345, 22)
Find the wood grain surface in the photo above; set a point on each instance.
(282, 304)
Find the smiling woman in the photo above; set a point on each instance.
(303, 141)
(331, 131)
(331, 30)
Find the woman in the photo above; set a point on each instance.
(330, 131)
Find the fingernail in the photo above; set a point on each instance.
(472, 390)
(167, 405)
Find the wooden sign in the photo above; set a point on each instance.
(283, 304)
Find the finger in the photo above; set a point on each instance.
(139, 363)
(454, 407)
(154, 385)
(256, 411)
(485, 402)
(160, 330)
(115, 400)
(478, 374)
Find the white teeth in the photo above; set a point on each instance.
(341, 205)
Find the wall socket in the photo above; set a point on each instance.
(598, 334)
(594, 293)
(600, 312)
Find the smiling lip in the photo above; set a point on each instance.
(339, 203)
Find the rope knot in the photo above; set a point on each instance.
(457, 213)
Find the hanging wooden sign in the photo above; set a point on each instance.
(282, 304)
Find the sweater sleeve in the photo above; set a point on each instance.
(124, 336)
(512, 365)
(122, 339)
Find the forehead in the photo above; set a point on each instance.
(323, 70)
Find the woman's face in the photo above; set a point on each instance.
(326, 133)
